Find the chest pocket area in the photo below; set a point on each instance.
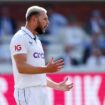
(36, 50)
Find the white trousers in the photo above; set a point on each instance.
(31, 96)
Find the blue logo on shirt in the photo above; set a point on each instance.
(38, 55)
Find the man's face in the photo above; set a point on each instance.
(42, 23)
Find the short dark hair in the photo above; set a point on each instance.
(31, 14)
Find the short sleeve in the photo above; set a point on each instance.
(18, 46)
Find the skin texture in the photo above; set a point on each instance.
(37, 25)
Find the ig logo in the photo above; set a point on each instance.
(18, 47)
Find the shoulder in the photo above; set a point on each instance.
(19, 36)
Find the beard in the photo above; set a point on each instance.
(39, 30)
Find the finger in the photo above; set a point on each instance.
(70, 84)
(60, 67)
(65, 79)
(52, 60)
(58, 61)
(69, 88)
(60, 64)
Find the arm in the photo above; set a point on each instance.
(19, 50)
(25, 68)
(59, 86)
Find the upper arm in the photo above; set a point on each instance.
(19, 49)
(18, 45)
(20, 59)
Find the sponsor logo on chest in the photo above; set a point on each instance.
(38, 55)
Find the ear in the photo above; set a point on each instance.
(34, 19)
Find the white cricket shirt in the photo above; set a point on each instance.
(23, 43)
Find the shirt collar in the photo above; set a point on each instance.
(27, 31)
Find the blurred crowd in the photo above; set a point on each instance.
(78, 43)
(7, 29)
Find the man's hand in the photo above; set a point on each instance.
(54, 66)
(63, 86)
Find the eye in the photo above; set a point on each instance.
(45, 18)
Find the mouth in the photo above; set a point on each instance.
(45, 27)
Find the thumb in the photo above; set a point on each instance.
(65, 79)
(51, 60)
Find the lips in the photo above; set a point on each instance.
(45, 26)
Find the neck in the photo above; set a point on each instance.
(30, 29)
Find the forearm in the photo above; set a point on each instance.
(24, 68)
(52, 84)
(29, 69)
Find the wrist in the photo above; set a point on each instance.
(42, 69)
(57, 86)
(46, 69)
